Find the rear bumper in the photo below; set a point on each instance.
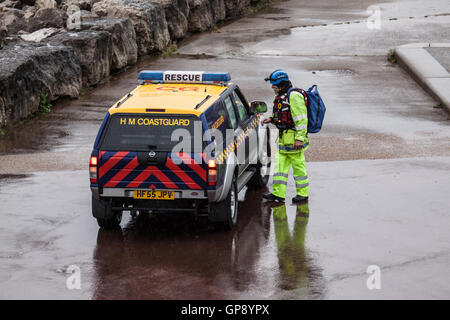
(186, 201)
(196, 206)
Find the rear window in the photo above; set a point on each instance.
(150, 132)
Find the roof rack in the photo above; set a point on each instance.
(202, 102)
(123, 100)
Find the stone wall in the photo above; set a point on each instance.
(27, 70)
(56, 47)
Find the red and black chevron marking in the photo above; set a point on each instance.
(121, 169)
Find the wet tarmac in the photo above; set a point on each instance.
(379, 174)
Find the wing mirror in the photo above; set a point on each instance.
(258, 107)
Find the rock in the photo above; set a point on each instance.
(29, 70)
(200, 16)
(235, 8)
(29, 12)
(218, 10)
(182, 5)
(46, 4)
(76, 17)
(47, 18)
(176, 12)
(3, 34)
(205, 14)
(93, 51)
(124, 47)
(40, 35)
(11, 4)
(148, 18)
(28, 2)
(81, 4)
(12, 20)
(87, 16)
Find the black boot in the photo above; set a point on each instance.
(299, 199)
(272, 198)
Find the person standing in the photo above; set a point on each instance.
(290, 116)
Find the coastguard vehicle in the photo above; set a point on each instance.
(181, 142)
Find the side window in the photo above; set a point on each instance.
(231, 113)
(217, 117)
(240, 103)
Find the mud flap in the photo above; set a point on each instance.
(101, 209)
(217, 212)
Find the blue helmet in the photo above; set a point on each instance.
(277, 76)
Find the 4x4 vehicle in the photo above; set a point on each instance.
(182, 141)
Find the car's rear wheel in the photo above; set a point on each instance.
(227, 209)
(106, 217)
(112, 223)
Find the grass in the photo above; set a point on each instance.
(391, 56)
(257, 7)
(82, 91)
(44, 105)
(170, 50)
(43, 108)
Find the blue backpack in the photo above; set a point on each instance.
(314, 105)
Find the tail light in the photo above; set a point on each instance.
(93, 169)
(212, 172)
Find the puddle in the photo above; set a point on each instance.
(202, 56)
(6, 177)
(272, 10)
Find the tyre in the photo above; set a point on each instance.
(225, 212)
(112, 223)
(106, 217)
(262, 173)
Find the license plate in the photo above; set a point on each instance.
(154, 195)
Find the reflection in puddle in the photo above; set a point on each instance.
(296, 269)
(179, 257)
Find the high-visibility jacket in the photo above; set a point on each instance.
(299, 114)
